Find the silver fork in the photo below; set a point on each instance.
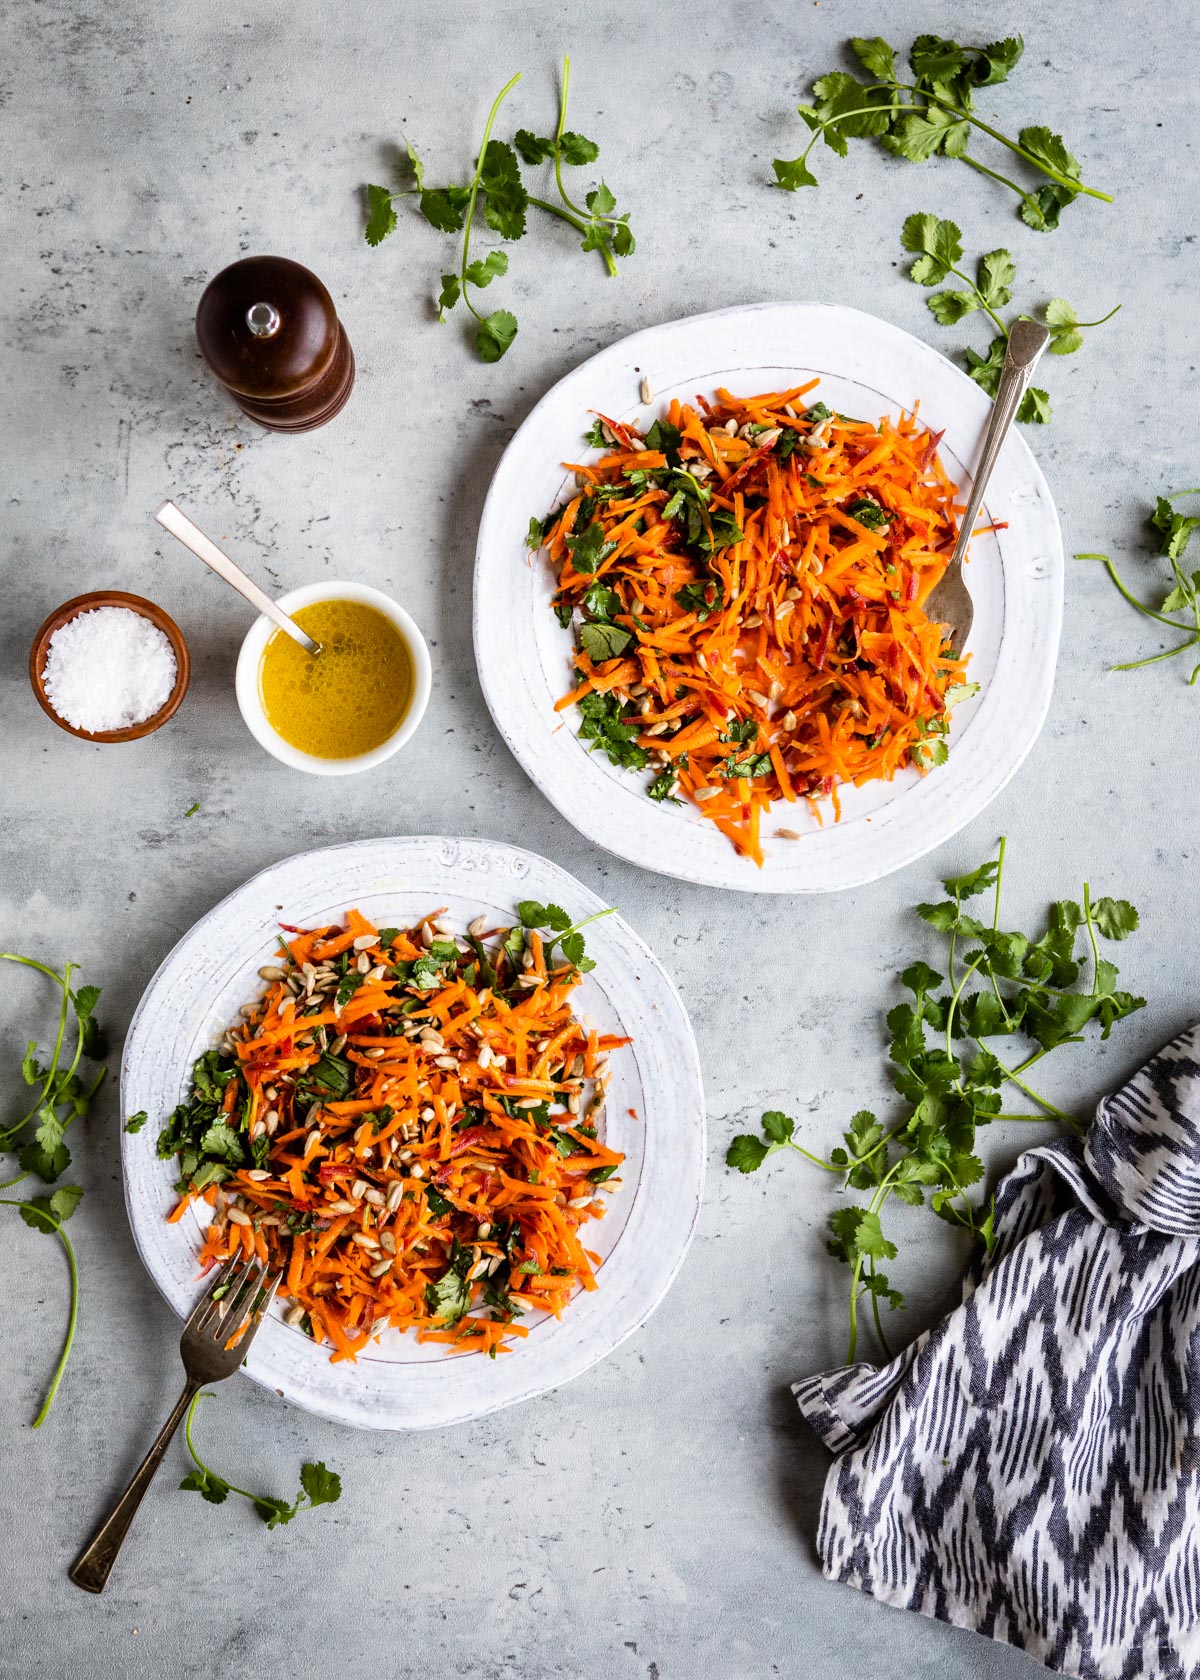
(241, 1292)
(949, 601)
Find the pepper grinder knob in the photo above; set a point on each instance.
(269, 332)
(263, 320)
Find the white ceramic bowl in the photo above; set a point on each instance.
(250, 702)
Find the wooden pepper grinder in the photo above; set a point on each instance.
(268, 329)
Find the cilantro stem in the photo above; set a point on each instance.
(191, 1447)
(579, 212)
(1091, 927)
(63, 981)
(1022, 192)
(1078, 325)
(877, 1200)
(897, 109)
(1014, 1074)
(879, 1330)
(563, 216)
(983, 303)
(473, 191)
(44, 1213)
(1156, 658)
(1134, 602)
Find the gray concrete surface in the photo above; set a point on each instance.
(655, 1519)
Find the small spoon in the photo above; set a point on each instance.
(949, 601)
(191, 536)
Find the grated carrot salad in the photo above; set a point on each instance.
(746, 584)
(405, 1126)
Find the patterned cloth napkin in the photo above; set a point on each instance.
(1030, 1467)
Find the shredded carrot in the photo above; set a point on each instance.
(761, 596)
(430, 1167)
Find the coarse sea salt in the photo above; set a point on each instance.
(108, 669)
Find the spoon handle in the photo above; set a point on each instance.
(1026, 342)
(191, 536)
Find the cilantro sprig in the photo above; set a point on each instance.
(934, 114)
(998, 985)
(318, 1486)
(938, 250)
(1173, 530)
(38, 1137)
(497, 191)
(557, 928)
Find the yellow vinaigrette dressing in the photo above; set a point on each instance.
(350, 697)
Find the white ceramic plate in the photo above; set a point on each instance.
(397, 1383)
(867, 368)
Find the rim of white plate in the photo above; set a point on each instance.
(643, 1240)
(1016, 577)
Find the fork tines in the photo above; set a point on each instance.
(242, 1290)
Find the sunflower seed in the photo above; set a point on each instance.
(757, 696)
(703, 793)
(789, 721)
(294, 1315)
(365, 941)
(432, 1040)
(272, 1123)
(248, 1009)
(257, 1174)
(237, 1217)
(374, 1197)
(363, 1240)
(478, 927)
(573, 1104)
(529, 1102)
(484, 1231)
(417, 1172)
(646, 390)
(786, 834)
(426, 935)
(395, 1195)
(449, 1063)
(776, 690)
(427, 1113)
(259, 1129)
(387, 1242)
(271, 973)
(363, 965)
(580, 1201)
(381, 1266)
(340, 1205)
(478, 1269)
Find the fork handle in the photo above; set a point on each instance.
(93, 1566)
(1026, 342)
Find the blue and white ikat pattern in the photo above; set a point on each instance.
(1030, 1467)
